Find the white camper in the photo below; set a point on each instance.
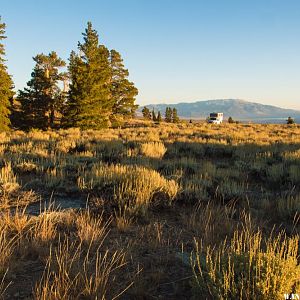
(215, 118)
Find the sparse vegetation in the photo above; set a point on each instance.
(162, 211)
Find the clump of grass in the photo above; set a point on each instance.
(133, 186)
(74, 273)
(26, 167)
(211, 222)
(247, 268)
(91, 229)
(8, 180)
(17, 222)
(153, 149)
(45, 228)
(288, 206)
(123, 218)
(7, 245)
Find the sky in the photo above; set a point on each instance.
(175, 50)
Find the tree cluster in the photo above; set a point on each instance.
(94, 92)
(171, 115)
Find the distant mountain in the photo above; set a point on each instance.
(237, 109)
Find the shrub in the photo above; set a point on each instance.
(153, 149)
(132, 186)
(248, 268)
(290, 120)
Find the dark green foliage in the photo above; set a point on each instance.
(168, 114)
(6, 85)
(42, 100)
(290, 120)
(90, 103)
(175, 118)
(123, 92)
(171, 115)
(154, 118)
(100, 93)
(230, 120)
(146, 113)
(159, 118)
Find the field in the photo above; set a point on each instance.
(151, 211)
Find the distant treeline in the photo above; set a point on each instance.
(92, 91)
(171, 115)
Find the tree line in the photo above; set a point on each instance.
(171, 115)
(93, 92)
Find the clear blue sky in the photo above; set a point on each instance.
(175, 50)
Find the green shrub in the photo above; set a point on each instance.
(247, 268)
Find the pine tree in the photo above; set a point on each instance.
(42, 99)
(159, 118)
(123, 92)
(168, 115)
(6, 85)
(290, 120)
(146, 113)
(230, 120)
(90, 103)
(154, 118)
(175, 118)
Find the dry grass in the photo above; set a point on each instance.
(153, 190)
(73, 273)
(153, 149)
(91, 229)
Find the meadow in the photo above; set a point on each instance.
(151, 211)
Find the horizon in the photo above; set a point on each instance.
(213, 50)
(205, 100)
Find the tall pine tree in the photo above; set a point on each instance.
(159, 118)
(175, 118)
(42, 99)
(6, 85)
(154, 118)
(123, 92)
(146, 113)
(168, 114)
(90, 103)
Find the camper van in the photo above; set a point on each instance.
(215, 118)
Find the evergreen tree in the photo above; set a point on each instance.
(6, 85)
(230, 120)
(42, 99)
(123, 92)
(90, 103)
(290, 120)
(175, 118)
(146, 113)
(154, 118)
(168, 115)
(159, 118)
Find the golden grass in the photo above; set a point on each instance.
(73, 273)
(132, 186)
(91, 229)
(153, 149)
(160, 186)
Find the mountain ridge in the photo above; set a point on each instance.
(236, 108)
